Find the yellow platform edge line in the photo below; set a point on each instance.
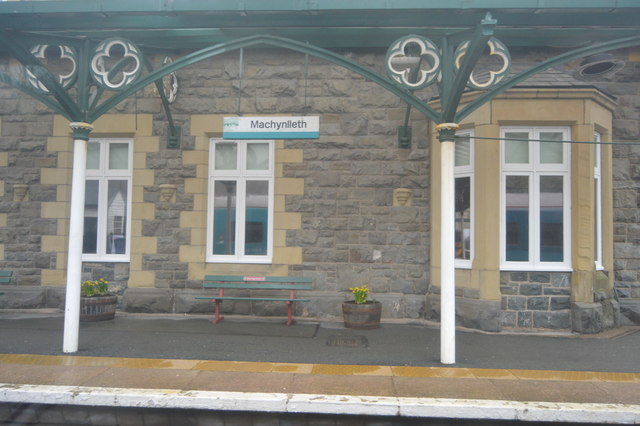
(319, 369)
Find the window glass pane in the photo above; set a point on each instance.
(93, 155)
(224, 217)
(517, 218)
(463, 151)
(258, 156)
(257, 218)
(117, 217)
(551, 152)
(226, 156)
(90, 237)
(118, 156)
(551, 219)
(516, 151)
(463, 218)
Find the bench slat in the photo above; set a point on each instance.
(259, 279)
(5, 277)
(269, 299)
(251, 285)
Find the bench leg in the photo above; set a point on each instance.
(218, 317)
(289, 313)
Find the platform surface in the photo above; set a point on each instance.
(321, 367)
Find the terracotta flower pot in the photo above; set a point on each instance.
(361, 316)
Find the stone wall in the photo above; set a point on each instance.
(352, 232)
(625, 86)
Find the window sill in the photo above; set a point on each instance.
(466, 265)
(97, 259)
(240, 261)
(541, 268)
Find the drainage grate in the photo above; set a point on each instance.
(348, 341)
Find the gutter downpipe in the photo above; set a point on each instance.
(447, 133)
(76, 230)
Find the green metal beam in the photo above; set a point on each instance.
(248, 6)
(270, 41)
(373, 19)
(173, 136)
(31, 91)
(83, 78)
(338, 37)
(474, 51)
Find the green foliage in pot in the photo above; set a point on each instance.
(95, 288)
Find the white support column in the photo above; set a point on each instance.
(447, 246)
(76, 229)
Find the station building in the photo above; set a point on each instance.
(546, 172)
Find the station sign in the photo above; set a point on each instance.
(307, 127)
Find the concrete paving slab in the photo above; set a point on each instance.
(421, 387)
(223, 381)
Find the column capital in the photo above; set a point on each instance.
(447, 131)
(81, 130)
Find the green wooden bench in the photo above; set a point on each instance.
(277, 284)
(5, 278)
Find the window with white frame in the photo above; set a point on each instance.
(107, 201)
(597, 180)
(535, 213)
(463, 175)
(240, 219)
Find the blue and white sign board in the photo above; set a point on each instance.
(271, 127)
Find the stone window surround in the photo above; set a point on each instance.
(203, 128)
(584, 110)
(139, 128)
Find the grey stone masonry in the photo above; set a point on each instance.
(536, 300)
(351, 232)
(626, 185)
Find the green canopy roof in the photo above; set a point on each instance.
(192, 24)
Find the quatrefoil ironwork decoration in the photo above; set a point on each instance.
(413, 61)
(496, 48)
(116, 63)
(66, 53)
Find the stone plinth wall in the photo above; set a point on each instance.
(536, 300)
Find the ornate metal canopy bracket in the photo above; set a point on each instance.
(114, 64)
(415, 62)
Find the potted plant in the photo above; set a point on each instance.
(97, 303)
(361, 313)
